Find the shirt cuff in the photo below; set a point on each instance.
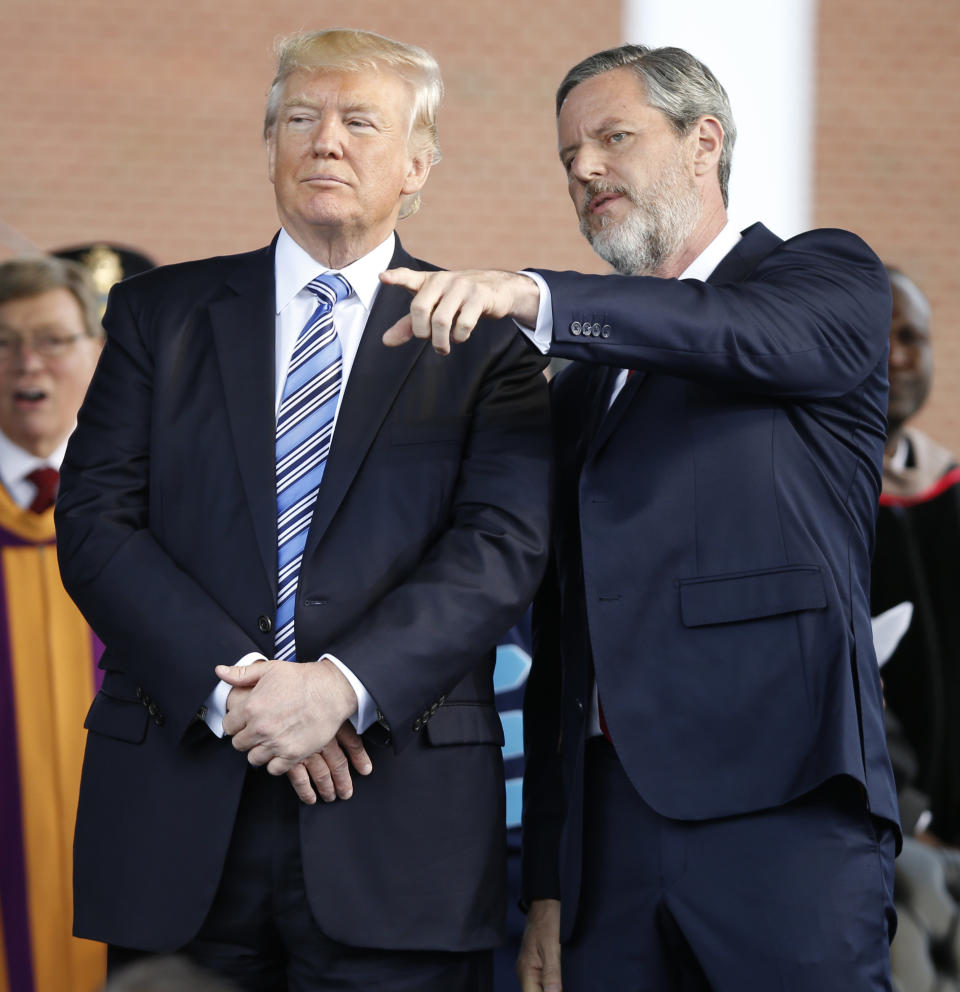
(215, 705)
(366, 711)
(542, 335)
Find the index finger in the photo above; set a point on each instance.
(352, 743)
(409, 279)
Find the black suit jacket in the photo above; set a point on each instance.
(712, 540)
(429, 537)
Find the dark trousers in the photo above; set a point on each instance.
(793, 899)
(261, 934)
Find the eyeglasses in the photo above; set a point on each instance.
(45, 345)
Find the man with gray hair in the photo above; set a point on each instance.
(296, 544)
(708, 801)
(50, 340)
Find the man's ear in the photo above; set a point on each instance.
(420, 167)
(709, 134)
(272, 155)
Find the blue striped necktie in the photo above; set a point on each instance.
(304, 430)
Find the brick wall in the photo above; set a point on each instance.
(141, 123)
(888, 157)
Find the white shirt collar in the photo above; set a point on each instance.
(294, 268)
(16, 464)
(703, 265)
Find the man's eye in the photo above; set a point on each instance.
(617, 137)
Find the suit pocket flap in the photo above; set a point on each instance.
(117, 718)
(464, 723)
(751, 595)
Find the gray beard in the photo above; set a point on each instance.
(663, 217)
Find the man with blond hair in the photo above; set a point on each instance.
(298, 546)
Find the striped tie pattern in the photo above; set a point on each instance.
(304, 431)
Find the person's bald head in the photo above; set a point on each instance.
(911, 352)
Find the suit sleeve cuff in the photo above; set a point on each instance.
(366, 711)
(542, 335)
(215, 705)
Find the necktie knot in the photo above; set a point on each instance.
(330, 288)
(46, 480)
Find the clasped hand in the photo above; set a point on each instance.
(291, 718)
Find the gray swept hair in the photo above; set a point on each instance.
(681, 87)
(31, 275)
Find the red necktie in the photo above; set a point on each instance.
(46, 480)
(603, 722)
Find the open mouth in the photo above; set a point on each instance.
(598, 202)
(29, 397)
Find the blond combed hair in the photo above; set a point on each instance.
(352, 50)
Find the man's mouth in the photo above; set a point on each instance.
(596, 203)
(29, 397)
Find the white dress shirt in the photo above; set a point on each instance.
(542, 336)
(294, 269)
(16, 464)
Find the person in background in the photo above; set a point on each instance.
(108, 264)
(286, 537)
(708, 798)
(50, 340)
(917, 559)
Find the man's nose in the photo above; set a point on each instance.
(27, 357)
(586, 165)
(900, 355)
(328, 138)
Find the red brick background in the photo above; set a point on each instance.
(140, 123)
(888, 157)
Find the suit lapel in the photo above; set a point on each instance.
(614, 414)
(756, 243)
(377, 376)
(244, 331)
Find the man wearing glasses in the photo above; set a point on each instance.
(50, 340)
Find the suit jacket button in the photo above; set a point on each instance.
(576, 327)
(265, 624)
(417, 724)
(139, 692)
(152, 709)
(605, 331)
(158, 719)
(580, 705)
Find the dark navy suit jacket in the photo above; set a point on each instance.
(428, 539)
(712, 540)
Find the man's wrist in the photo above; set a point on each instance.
(526, 297)
(344, 695)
